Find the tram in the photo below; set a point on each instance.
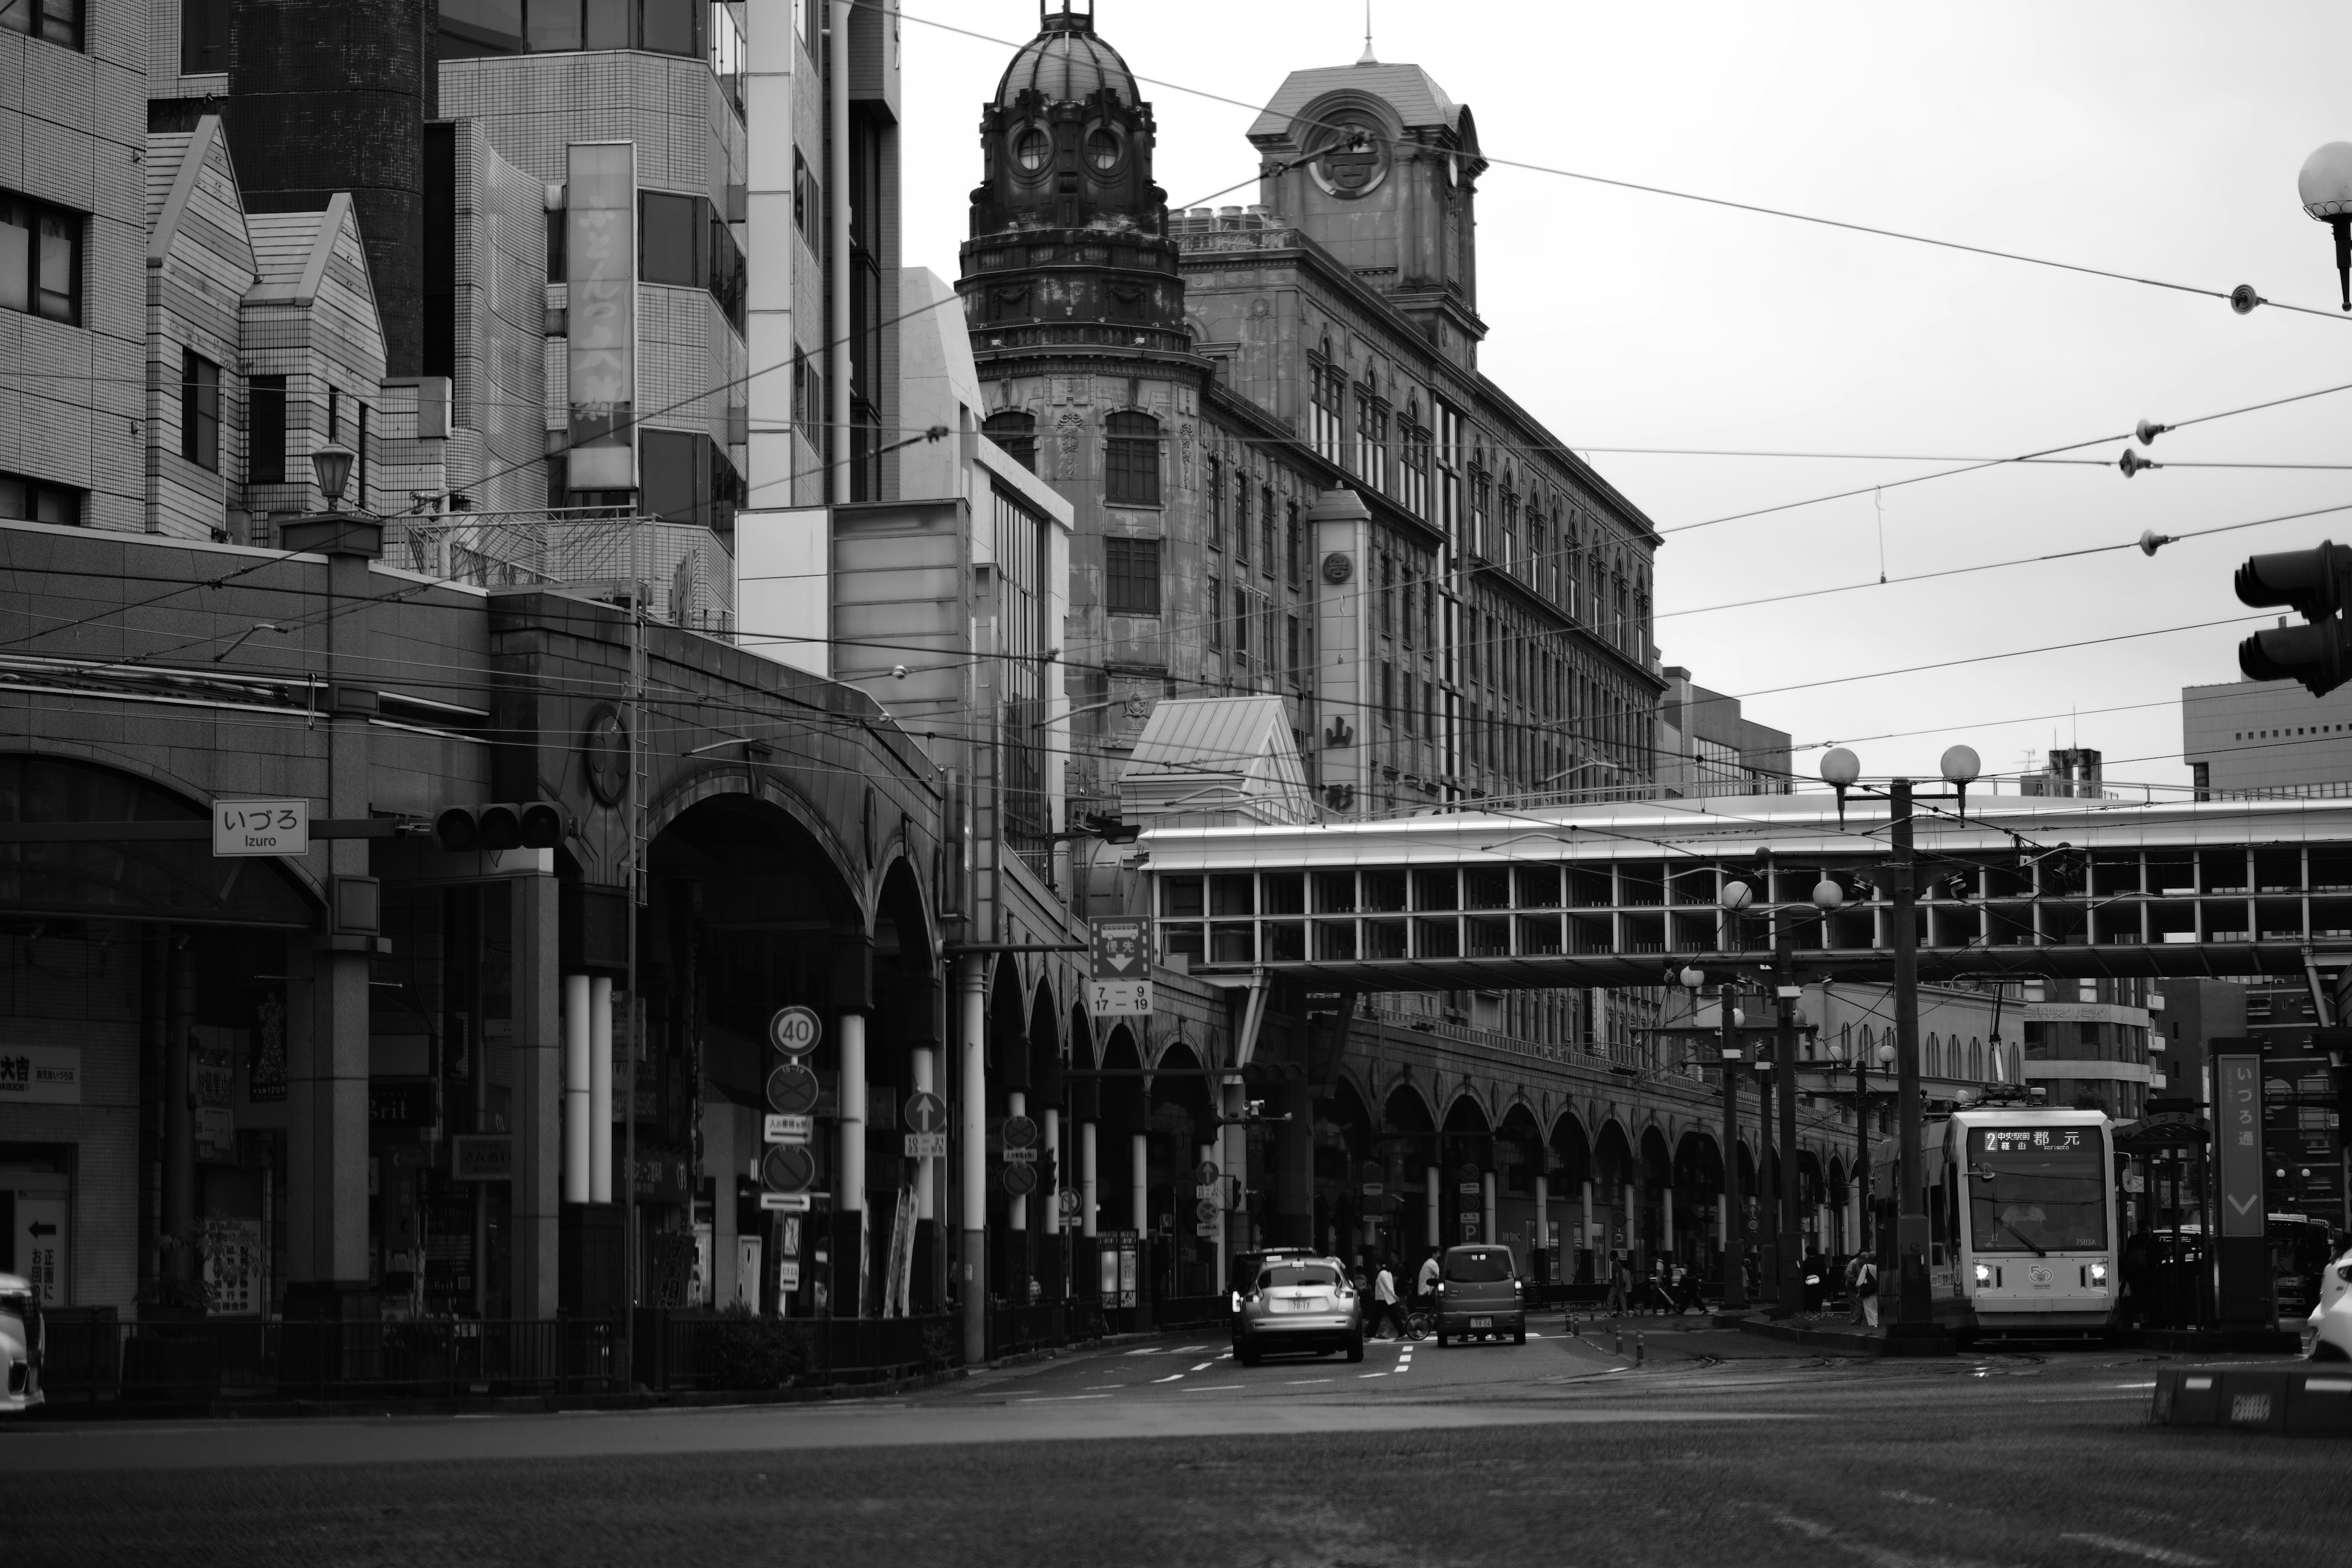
(2022, 1220)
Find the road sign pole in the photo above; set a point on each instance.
(925, 1066)
(1735, 1214)
(972, 1097)
(1913, 1307)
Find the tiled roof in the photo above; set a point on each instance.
(1419, 102)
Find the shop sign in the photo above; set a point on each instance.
(481, 1157)
(213, 1074)
(233, 1259)
(401, 1104)
(41, 1075)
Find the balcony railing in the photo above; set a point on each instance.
(687, 572)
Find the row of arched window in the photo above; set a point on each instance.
(1941, 1056)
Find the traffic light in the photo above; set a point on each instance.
(2317, 585)
(534, 825)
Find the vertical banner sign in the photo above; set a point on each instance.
(2238, 1126)
(600, 251)
(2244, 1289)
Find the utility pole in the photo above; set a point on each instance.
(630, 1263)
(1768, 1230)
(1913, 1308)
(1784, 1068)
(1735, 1214)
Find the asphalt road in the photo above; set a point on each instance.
(1718, 1448)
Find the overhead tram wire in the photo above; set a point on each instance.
(897, 10)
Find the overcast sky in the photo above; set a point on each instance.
(2161, 140)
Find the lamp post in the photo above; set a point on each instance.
(1841, 770)
(331, 466)
(2325, 186)
(1734, 1220)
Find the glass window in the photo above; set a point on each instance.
(1131, 471)
(204, 36)
(1480, 1266)
(1102, 148)
(467, 28)
(1015, 431)
(2038, 1189)
(676, 476)
(56, 22)
(1216, 603)
(1213, 490)
(1285, 1274)
(673, 27)
(35, 500)
(264, 459)
(1031, 148)
(199, 410)
(551, 24)
(40, 260)
(669, 242)
(607, 25)
(1131, 576)
(1266, 519)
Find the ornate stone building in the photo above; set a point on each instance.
(1197, 384)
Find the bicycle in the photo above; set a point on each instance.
(1420, 1322)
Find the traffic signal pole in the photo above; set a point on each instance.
(1784, 1070)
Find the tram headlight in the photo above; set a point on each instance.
(2099, 1272)
(1984, 1273)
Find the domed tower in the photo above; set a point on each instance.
(1069, 251)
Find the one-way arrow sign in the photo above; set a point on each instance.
(41, 1227)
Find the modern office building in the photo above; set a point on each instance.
(1705, 746)
(2266, 736)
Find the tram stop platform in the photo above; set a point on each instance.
(2301, 1396)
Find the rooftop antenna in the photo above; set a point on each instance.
(1367, 57)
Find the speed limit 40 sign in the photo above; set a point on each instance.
(795, 1030)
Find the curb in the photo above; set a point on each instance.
(1864, 1345)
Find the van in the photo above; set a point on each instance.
(1480, 1296)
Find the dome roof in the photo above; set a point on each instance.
(1068, 63)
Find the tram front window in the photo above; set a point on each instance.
(2037, 1189)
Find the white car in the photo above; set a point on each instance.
(20, 1344)
(2330, 1322)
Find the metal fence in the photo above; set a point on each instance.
(95, 1357)
(728, 1351)
(688, 571)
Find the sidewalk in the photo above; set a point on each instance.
(1838, 1334)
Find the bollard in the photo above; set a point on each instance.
(1617, 1339)
(1641, 1348)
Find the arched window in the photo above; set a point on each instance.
(1131, 469)
(1015, 431)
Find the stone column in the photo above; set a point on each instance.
(1089, 1220)
(1017, 1209)
(971, 1124)
(1487, 1232)
(851, 1263)
(1429, 1180)
(1139, 1183)
(579, 1091)
(923, 1063)
(600, 1088)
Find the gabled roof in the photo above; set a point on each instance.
(1229, 758)
(175, 162)
(291, 252)
(1417, 98)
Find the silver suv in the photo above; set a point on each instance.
(1299, 1304)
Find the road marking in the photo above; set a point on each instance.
(1106, 1385)
(1203, 1367)
(1172, 1377)
(1372, 1375)
(1303, 1382)
(1187, 1350)
(2115, 1543)
(1055, 1398)
(2136, 1385)
(1212, 1387)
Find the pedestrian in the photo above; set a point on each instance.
(1620, 1281)
(1817, 1281)
(1865, 1290)
(1425, 1285)
(1690, 1299)
(1853, 1285)
(1384, 1304)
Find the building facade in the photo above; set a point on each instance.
(1705, 746)
(2246, 736)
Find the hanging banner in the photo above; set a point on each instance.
(600, 251)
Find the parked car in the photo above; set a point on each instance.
(21, 1338)
(2331, 1321)
(1480, 1296)
(1299, 1304)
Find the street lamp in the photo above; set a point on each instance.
(332, 464)
(2325, 186)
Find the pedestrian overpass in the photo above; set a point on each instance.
(1623, 894)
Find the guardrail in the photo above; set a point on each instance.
(90, 1359)
(732, 1350)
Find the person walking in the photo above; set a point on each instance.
(1620, 1280)
(1425, 1285)
(1686, 1285)
(1817, 1281)
(1865, 1290)
(1853, 1287)
(1384, 1304)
